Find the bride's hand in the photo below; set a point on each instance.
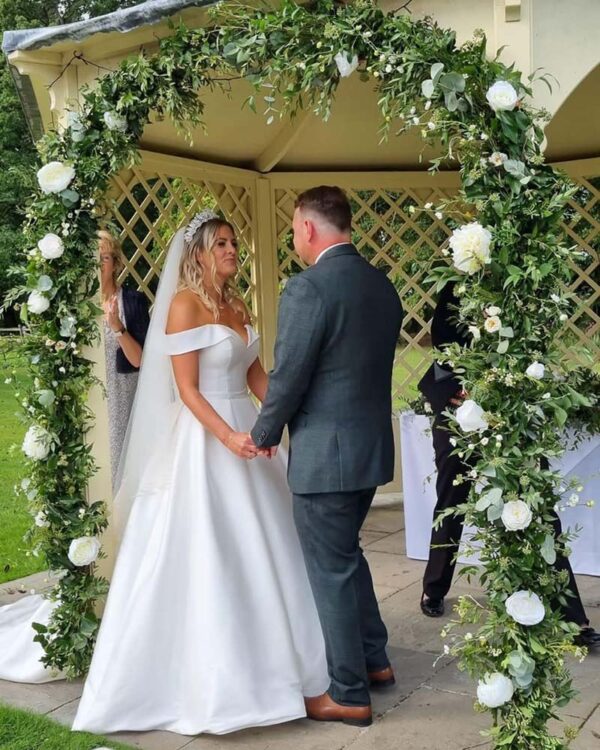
(240, 443)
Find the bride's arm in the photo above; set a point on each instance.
(186, 371)
(258, 380)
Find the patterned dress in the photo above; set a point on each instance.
(120, 389)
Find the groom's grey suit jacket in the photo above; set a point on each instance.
(331, 383)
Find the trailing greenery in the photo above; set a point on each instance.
(514, 259)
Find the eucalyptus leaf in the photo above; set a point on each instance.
(45, 284)
(427, 88)
(46, 398)
(548, 549)
(436, 70)
(502, 347)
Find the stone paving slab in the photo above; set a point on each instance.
(430, 708)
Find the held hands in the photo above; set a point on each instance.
(460, 396)
(242, 445)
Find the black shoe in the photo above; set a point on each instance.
(587, 637)
(432, 607)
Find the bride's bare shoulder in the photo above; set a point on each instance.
(186, 311)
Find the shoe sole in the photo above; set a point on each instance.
(381, 684)
(432, 614)
(349, 722)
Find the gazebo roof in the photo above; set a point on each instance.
(238, 137)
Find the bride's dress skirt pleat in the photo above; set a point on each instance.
(210, 624)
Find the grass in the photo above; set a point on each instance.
(409, 358)
(14, 515)
(21, 730)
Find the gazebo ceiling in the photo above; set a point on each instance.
(348, 141)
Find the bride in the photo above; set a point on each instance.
(210, 624)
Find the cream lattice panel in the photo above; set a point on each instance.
(400, 243)
(150, 206)
(582, 224)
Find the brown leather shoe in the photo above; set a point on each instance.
(382, 678)
(324, 708)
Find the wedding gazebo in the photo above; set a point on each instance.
(252, 166)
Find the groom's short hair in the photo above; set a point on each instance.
(330, 203)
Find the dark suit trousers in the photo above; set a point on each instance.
(328, 525)
(441, 564)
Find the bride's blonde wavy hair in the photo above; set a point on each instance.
(192, 274)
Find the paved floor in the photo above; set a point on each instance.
(430, 708)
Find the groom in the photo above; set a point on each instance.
(338, 328)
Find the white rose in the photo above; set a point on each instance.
(495, 690)
(471, 247)
(516, 515)
(497, 159)
(470, 417)
(36, 443)
(37, 303)
(40, 520)
(525, 607)
(113, 121)
(55, 177)
(84, 550)
(493, 324)
(475, 332)
(345, 66)
(502, 96)
(493, 310)
(51, 246)
(536, 370)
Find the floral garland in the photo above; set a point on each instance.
(511, 267)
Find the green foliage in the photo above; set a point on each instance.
(519, 199)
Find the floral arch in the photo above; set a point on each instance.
(508, 256)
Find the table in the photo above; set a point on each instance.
(418, 480)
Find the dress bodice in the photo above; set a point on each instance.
(224, 357)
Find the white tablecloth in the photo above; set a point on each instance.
(418, 480)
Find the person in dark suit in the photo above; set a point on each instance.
(443, 389)
(338, 328)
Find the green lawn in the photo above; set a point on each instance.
(14, 516)
(21, 730)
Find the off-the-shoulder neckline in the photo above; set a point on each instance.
(247, 326)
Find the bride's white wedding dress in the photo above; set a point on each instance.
(210, 624)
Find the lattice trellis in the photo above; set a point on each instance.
(582, 224)
(150, 206)
(400, 243)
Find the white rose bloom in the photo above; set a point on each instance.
(495, 690)
(40, 520)
(502, 96)
(36, 443)
(470, 417)
(493, 310)
(113, 121)
(37, 303)
(516, 515)
(493, 324)
(475, 332)
(497, 159)
(536, 370)
(525, 607)
(471, 247)
(51, 246)
(55, 177)
(84, 550)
